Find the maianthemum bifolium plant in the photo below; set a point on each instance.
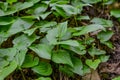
(41, 34)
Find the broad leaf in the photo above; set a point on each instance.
(30, 31)
(11, 1)
(116, 78)
(23, 41)
(92, 63)
(77, 49)
(52, 35)
(103, 22)
(108, 44)
(3, 63)
(91, 1)
(104, 58)
(7, 70)
(44, 78)
(43, 68)
(66, 70)
(42, 50)
(115, 13)
(62, 29)
(83, 18)
(78, 66)
(19, 25)
(38, 9)
(30, 61)
(8, 53)
(6, 20)
(20, 57)
(89, 28)
(94, 51)
(62, 57)
(69, 42)
(86, 69)
(105, 36)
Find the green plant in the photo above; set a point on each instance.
(39, 40)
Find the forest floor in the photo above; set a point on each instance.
(106, 70)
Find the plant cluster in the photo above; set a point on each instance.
(42, 34)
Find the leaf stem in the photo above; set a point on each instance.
(22, 75)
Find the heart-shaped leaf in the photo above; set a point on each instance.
(93, 63)
(30, 61)
(43, 68)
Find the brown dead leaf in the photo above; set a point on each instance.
(91, 76)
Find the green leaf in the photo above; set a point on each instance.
(46, 24)
(62, 57)
(86, 69)
(89, 28)
(42, 50)
(117, 78)
(3, 63)
(44, 78)
(62, 29)
(19, 25)
(52, 35)
(6, 20)
(69, 9)
(92, 63)
(66, 70)
(23, 41)
(103, 22)
(8, 53)
(94, 51)
(105, 36)
(30, 61)
(20, 57)
(115, 13)
(44, 15)
(77, 49)
(83, 18)
(59, 11)
(91, 1)
(69, 42)
(78, 66)
(11, 1)
(38, 9)
(104, 58)
(7, 70)
(108, 43)
(43, 68)
(30, 31)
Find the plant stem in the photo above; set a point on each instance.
(75, 20)
(22, 75)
